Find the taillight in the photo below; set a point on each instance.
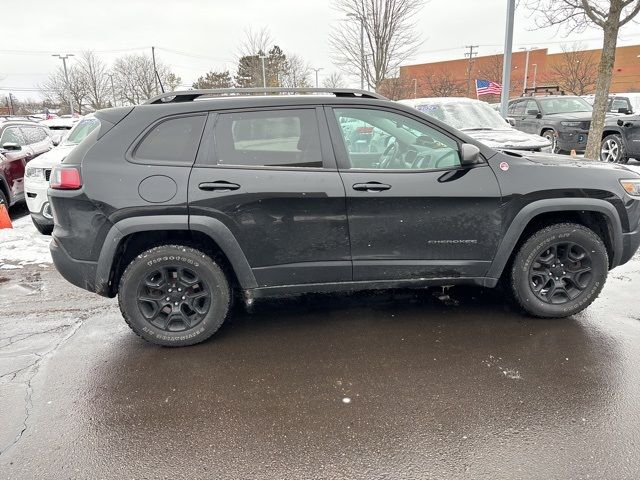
(65, 178)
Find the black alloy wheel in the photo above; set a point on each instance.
(560, 273)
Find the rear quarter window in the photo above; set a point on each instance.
(173, 140)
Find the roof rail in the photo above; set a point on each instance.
(190, 95)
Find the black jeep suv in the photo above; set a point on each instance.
(564, 120)
(176, 204)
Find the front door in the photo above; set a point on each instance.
(270, 176)
(15, 161)
(413, 211)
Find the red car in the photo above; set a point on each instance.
(20, 142)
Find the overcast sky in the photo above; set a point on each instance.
(194, 36)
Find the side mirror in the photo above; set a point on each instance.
(624, 111)
(56, 138)
(534, 112)
(11, 147)
(511, 121)
(469, 154)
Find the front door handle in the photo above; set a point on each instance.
(371, 187)
(221, 186)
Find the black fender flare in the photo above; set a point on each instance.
(524, 216)
(213, 228)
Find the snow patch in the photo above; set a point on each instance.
(23, 245)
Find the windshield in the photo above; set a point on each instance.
(81, 130)
(465, 115)
(564, 105)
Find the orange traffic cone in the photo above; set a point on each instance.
(573, 153)
(5, 219)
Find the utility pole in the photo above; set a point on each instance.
(470, 54)
(113, 90)
(535, 75)
(317, 70)
(264, 73)
(506, 64)
(12, 108)
(63, 57)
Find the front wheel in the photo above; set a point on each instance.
(553, 138)
(559, 270)
(612, 150)
(174, 295)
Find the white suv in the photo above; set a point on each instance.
(38, 172)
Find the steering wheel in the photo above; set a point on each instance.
(389, 154)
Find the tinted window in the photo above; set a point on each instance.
(286, 138)
(518, 109)
(379, 139)
(12, 135)
(619, 103)
(172, 140)
(564, 105)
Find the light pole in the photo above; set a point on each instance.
(64, 57)
(526, 67)
(506, 67)
(317, 70)
(353, 15)
(264, 74)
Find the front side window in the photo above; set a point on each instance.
(12, 135)
(619, 103)
(173, 140)
(277, 138)
(564, 105)
(392, 141)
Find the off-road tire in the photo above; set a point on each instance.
(167, 257)
(43, 229)
(537, 244)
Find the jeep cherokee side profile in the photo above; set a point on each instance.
(177, 204)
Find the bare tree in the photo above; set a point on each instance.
(390, 36)
(56, 90)
(576, 72)
(577, 15)
(214, 79)
(255, 44)
(442, 84)
(296, 74)
(398, 88)
(334, 80)
(93, 73)
(135, 80)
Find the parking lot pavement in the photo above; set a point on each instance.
(380, 385)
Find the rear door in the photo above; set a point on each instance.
(15, 162)
(270, 176)
(414, 212)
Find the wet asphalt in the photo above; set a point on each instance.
(394, 385)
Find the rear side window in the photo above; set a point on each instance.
(278, 138)
(174, 140)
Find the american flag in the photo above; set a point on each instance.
(485, 87)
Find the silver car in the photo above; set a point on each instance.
(480, 121)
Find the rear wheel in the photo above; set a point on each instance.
(559, 270)
(43, 229)
(174, 295)
(612, 150)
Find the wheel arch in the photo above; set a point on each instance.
(545, 212)
(131, 236)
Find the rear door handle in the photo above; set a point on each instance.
(221, 186)
(371, 187)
